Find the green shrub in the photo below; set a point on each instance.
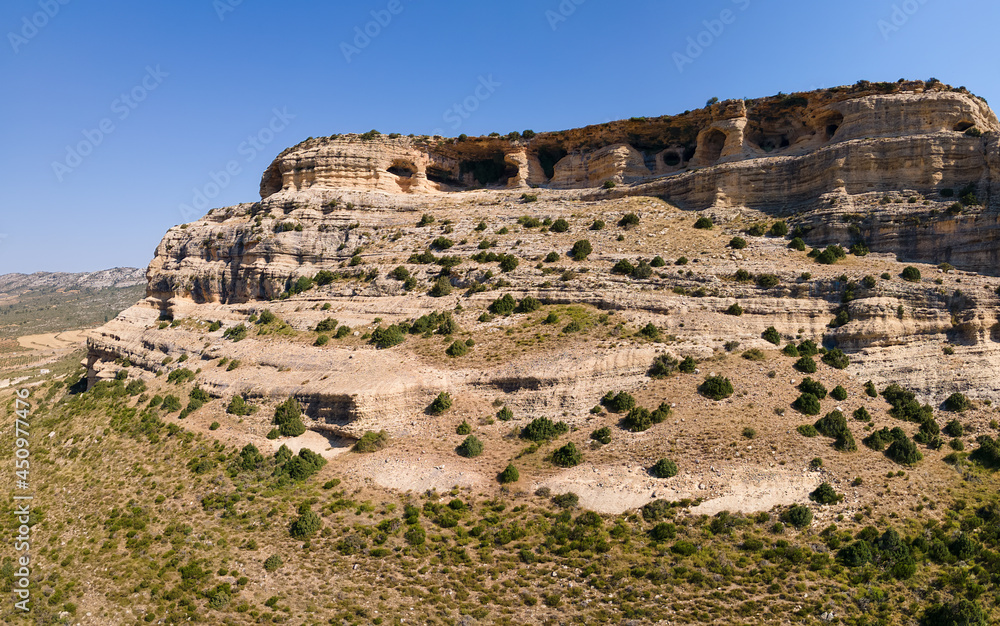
(904, 452)
(832, 424)
(581, 250)
(687, 365)
(910, 274)
(954, 428)
(808, 348)
(816, 388)
(629, 220)
(457, 349)
(272, 563)
(503, 305)
(567, 456)
(754, 354)
(559, 226)
(597, 225)
(267, 317)
(238, 406)
(372, 442)
(505, 414)
(171, 404)
(825, 494)
(651, 332)
(551, 257)
(321, 341)
(807, 404)
(664, 468)
(862, 415)
(790, 350)
(415, 535)
(806, 364)
(610, 184)
(441, 287)
(836, 359)
(543, 429)
(509, 475)
(716, 388)
(566, 500)
(343, 331)
(663, 365)
(870, 389)
(463, 428)
(757, 230)
(602, 435)
(734, 309)
(798, 516)
(426, 220)
(957, 403)
(737, 243)
(305, 525)
(471, 447)
(766, 281)
(704, 223)
(797, 244)
(440, 404)
(779, 229)
(772, 335)
(742, 276)
(387, 337)
(621, 402)
(839, 393)
(288, 418)
(807, 430)
(508, 263)
(528, 305)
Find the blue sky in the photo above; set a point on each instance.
(117, 114)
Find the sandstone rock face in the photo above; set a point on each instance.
(843, 166)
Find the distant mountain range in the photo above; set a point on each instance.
(13, 284)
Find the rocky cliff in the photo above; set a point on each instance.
(908, 169)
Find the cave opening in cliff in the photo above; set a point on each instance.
(442, 176)
(486, 171)
(671, 159)
(713, 144)
(833, 124)
(963, 126)
(403, 168)
(511, 171)
(548, 156)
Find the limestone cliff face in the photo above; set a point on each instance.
(844, 139)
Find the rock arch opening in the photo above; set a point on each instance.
(671, 159)
(833, 124)
(963, 126)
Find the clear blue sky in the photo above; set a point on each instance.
(211, 74)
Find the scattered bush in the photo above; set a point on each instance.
(505, 414)
(839, 393)
(503, 305)
(734, 309)
(798, 516)
(305, 525)
(957, 403)
(602, 435)
(807, 404)
(806, 364)
(509, 475)
(766, 281)
(704, 223)
(664, 468)
(272, 563)
(754, 354)
(597, 225)
(954, 428)
(797, 244)
(581, 250)
(904, 452)
(543, 429)
(663, 365)
(471, 447)
(825, 494)
(836, 359)
(807, 430)
(737, 243)
(779, 229)
(628, 221)
(716, 388)
(457, 349)
(862, 415)
(910, 274)
(559, 226)
(441, 287)
(567, 456)
(440, 404)
(384, 338)
(288, 418)
(772, 335)
(372, 442)
(816, 388)
(687, 365)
